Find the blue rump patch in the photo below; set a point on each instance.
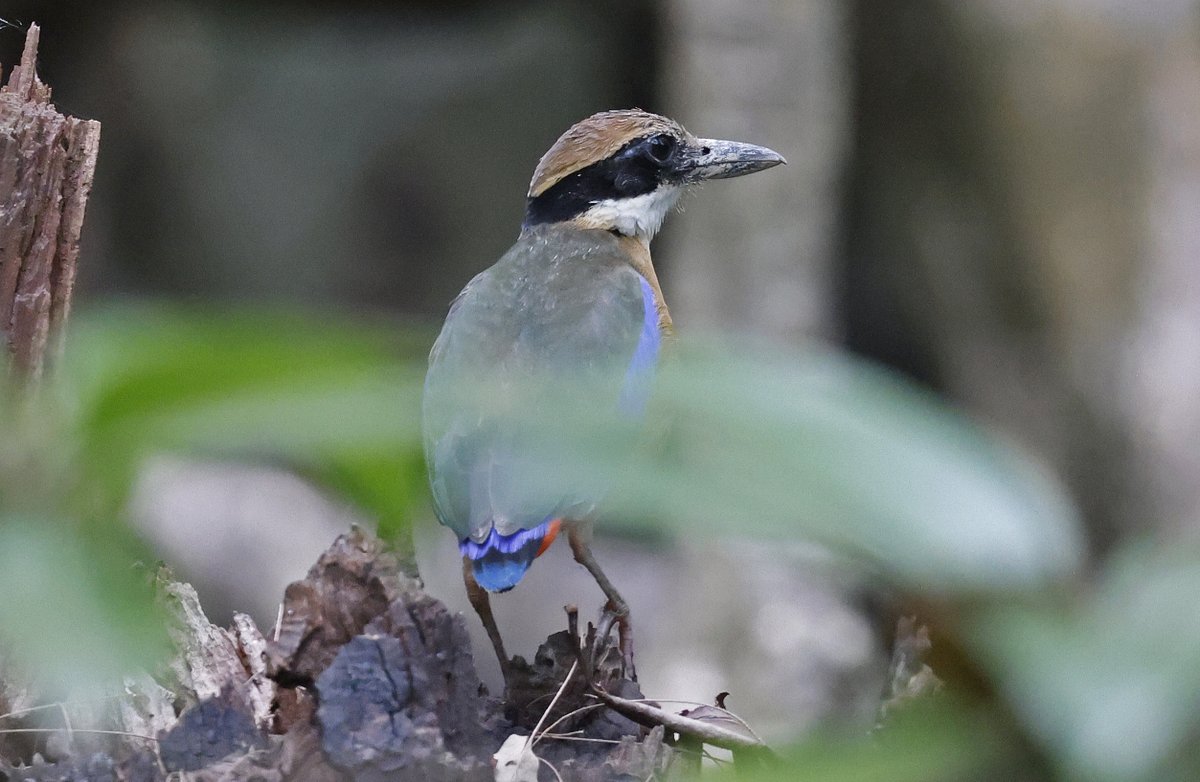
(635, 391)
(500, 561)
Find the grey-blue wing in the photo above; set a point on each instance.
(561, 310)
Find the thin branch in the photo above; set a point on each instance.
(552, 768)
(59, 704)
(561, 688)
(81, 730)
(697, 704)
(707, 732)
(573, 713)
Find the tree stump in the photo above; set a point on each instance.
(47, 163)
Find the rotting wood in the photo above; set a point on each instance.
(47, 165)
(375, 681)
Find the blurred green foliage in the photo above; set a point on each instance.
(75, 613)
(940, 742)
(1108, 685)
(328, 396)
(819, 445)
(1093, 682)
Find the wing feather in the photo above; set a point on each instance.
(563, 305)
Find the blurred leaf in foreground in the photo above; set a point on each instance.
(336, 399)
(313, 392)
(819, 446)
(761, 442)
(810, 445)
(929, 743)
(73, 614)
(389, 484)
(1109, 688)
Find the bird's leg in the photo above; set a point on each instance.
(577, 536)
(483, 606)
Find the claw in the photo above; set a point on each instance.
(600, 640)
(616, 608)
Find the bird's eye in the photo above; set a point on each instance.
(660, 147)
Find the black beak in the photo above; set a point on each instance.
(715, 159)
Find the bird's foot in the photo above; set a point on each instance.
(625, 639)
(617, 614)
(599, 658)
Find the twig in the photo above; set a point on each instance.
(62, 707)
(55, 705)
(552, 768)
(569, 737)
(650, 716)
(572, 713)
(561, 688)
(697, 704)
(125, 733)
(641, 712)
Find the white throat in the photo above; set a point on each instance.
(640, 216)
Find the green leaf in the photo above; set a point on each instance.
(1109, 686)
(312, 391)
(819, 446)
(928, 744)
(75, 613)
(391, 485)
(758, 441)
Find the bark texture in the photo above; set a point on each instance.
(47, 162)
(366, 678)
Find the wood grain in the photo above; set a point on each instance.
(47, 165)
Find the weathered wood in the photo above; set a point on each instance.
(397, 692)
(47, 164)
(375, 681)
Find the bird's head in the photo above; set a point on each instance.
(622, 171)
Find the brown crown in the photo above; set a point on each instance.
(594, 139)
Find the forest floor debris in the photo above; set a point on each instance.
(365, 677)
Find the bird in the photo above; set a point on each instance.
(575, 303)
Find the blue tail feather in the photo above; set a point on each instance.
(500, 561)
(498, 572)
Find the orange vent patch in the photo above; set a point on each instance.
(551, 533)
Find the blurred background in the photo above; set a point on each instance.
(999, 199)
